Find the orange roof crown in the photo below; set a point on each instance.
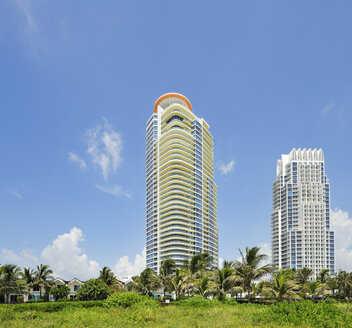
(172, 95)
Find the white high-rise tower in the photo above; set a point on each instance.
(180, 187)
(301, 234)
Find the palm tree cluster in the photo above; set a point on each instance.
(296, 284)
(13, 280)
(199, 277)
(247, 276)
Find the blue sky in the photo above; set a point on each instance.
(267, 77)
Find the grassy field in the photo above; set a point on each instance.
(237, 315)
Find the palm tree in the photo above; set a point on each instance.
(177, 282)
(9, 280)
(204, 286)
(107, 276)
(315, 289)
(249, 269)
(145, 282)
(303, 275)
(344, 282)
(43, 277)
(333, 285)
(27, 276)
(195, 268)
(324, 276)
(167, 267)
(199, 262)
(282, 286)
(225, 281)
(258, 288)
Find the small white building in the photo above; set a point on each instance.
(34, 292)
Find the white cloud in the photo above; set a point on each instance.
(341, 223)
(67, 259)
(328, 108)
(104, 147)
(73, 157)
(114, 190)
(14, 192)
(125, 268)
(265, 249)
(63, 255)
(226, 168)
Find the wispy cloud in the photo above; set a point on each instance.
(73, 157)
(328, 108)
(31, 29)
(15, 193)
(226, 168)
(104, 147)
(114, 190)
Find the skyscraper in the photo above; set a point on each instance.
(180, 188)
(301, 233)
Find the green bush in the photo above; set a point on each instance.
(304, 313)
(125, 300)
(60, 292)
(39, 300)
(198, 302)
(20, 299)
(229, 301)
(93, 290)
(330, 300)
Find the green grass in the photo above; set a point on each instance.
(219, 315)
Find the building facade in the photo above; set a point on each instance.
(33, 293)
(181, 194)
(301, 233)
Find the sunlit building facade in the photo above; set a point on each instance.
(301, 232)
(181, 194)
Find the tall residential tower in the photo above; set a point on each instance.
(301, 234)
(180, 187)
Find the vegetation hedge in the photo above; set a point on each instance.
(198, 302)
(304, 313)
(51, 306)
(126, 300)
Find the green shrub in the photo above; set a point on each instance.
(304, 313)
(39, 300)
(20, 299)
(198, 302)
(330, 300)
(229, 301)
(93, 290)
(60, 292)
(128, 300)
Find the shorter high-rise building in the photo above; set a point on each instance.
(301, 233)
